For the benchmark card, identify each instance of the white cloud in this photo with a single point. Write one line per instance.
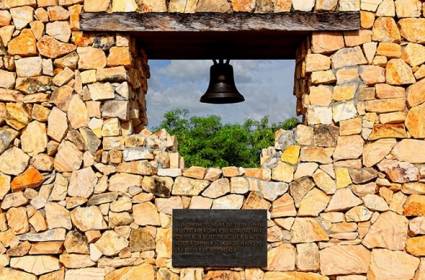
(182, 69)
(266, 85)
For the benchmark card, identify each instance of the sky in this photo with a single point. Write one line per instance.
(267, 86)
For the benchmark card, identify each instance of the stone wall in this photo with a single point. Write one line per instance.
(223, 6)
(86, 192)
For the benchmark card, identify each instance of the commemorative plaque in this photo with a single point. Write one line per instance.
(219, 238)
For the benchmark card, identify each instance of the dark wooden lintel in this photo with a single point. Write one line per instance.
(220, 22)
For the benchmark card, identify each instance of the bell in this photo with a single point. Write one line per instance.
(222, 88)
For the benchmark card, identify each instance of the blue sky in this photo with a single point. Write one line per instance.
(266, 84)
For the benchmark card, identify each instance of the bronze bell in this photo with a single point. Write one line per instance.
(222, 88)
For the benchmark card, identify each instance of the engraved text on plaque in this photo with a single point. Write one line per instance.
(219, 238)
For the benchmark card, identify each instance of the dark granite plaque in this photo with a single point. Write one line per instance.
(219, 238)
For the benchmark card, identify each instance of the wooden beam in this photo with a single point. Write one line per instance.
(221, 22)
(232, 45)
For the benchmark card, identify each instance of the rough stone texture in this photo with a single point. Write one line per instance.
(386, 264)
(308, 256)
(314, 202)
(13, 161)
(185, 186)
(406, 150)
(35, 264)
(389, 231)
(348, 147)
(385, 30)
(416, 246)
(8, 273)
(343, 199)
(82, 183)
(281, 258)
(68, 158)
(342, 259)
(399, 73)
(308, 230)
(374, 152)
(415, 121)
(34, 138)
(88, 218)
(217, 188)
(24, 44)
(111, 243)
(414, 206)
(414, 93)
(30, 178)
(57, 124)
(413, 29)
(91, 58)
(146, 270)
(283, 207)
(146, 214)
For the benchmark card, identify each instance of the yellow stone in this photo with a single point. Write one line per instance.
(415, 94)
(413, 29)
(372, 74)
(408, 8)
(356, 38)
(399, 73)
(386, 105)
(132, 272)
(124, 6)
(389, 130)
(282, 5)
(395, 117)
(230, 171)
(385, 29)
(320, 95)
(96, 5)
(17, 116)
(415, 121)
(195, 172)
(346, 75)
(324, 42)
(283, 172)
(386, 9)
(389, 49)
(343, 178)
(416, 246)
(291, 154)
(323, 77)
(350, 127)
(414, 54)
(317, 62)
(414, 206)
(314, 202)
(13, 274)
(293, 276)
(23, 45)
(119, 56)
(344, 92)
(384, 91)
(243, 5)
(367, 19)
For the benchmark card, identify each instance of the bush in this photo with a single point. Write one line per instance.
(207, 142)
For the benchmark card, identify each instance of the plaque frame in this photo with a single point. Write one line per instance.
(201, 222)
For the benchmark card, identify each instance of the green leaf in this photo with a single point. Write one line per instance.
(207, 142)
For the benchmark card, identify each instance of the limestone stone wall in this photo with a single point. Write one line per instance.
(224, 6)
(86, 192)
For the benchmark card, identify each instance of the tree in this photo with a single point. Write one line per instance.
(206, 141)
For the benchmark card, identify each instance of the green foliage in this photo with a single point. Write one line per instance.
(206, 141)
